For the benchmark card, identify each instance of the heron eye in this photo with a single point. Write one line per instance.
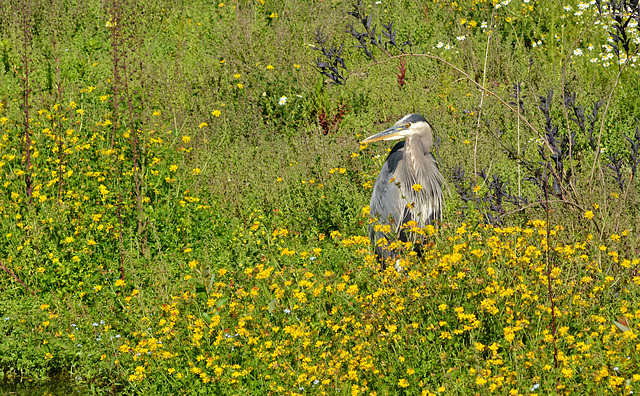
(408, 125)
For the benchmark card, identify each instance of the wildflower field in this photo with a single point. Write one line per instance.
(184, 197)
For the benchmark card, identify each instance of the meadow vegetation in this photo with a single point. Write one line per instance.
(184, 197)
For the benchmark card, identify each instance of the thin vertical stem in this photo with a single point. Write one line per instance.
(484, 79)
(56, 120)
(549, 274)
(26, 91)
(519, 150)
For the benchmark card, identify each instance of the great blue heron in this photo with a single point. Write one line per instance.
(409, 186)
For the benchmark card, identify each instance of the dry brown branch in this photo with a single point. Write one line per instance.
(15, 277)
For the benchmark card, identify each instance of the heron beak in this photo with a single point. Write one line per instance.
(393, 133)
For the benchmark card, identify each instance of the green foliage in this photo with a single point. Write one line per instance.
(190, 214)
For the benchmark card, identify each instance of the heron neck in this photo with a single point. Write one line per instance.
(427, 143)
(419, 144)
(416, 151)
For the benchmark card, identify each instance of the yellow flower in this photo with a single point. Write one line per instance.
(193, 263)
(416, 187)
(588, 214)
(403, 383)
(237, 75)
(186, 139)
(297, 66)
(269, 67)
(120, 282)
(240, 86)
(216, 113)
(596, 206)
(273, 15)
(202, 125)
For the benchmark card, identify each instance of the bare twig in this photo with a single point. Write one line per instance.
(468, 78)
(563, 201)
(564, 108)
(15, 277)
(549, 272)
(484, 80)
(604, 114)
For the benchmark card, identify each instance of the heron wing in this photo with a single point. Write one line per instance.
(387, 203)
(393, 191)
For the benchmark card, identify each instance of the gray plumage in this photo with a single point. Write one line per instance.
(395, 200)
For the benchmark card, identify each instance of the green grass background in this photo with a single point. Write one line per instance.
(159, 149)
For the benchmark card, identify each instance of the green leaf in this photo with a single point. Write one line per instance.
(201, 290)
(272, 305)
(620, 326)
(220, 303)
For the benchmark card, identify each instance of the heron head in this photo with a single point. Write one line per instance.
(409, 125)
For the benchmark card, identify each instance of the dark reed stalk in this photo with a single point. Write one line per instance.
(116, 58)
(550, 271)
(56, 120)
(26, 24)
